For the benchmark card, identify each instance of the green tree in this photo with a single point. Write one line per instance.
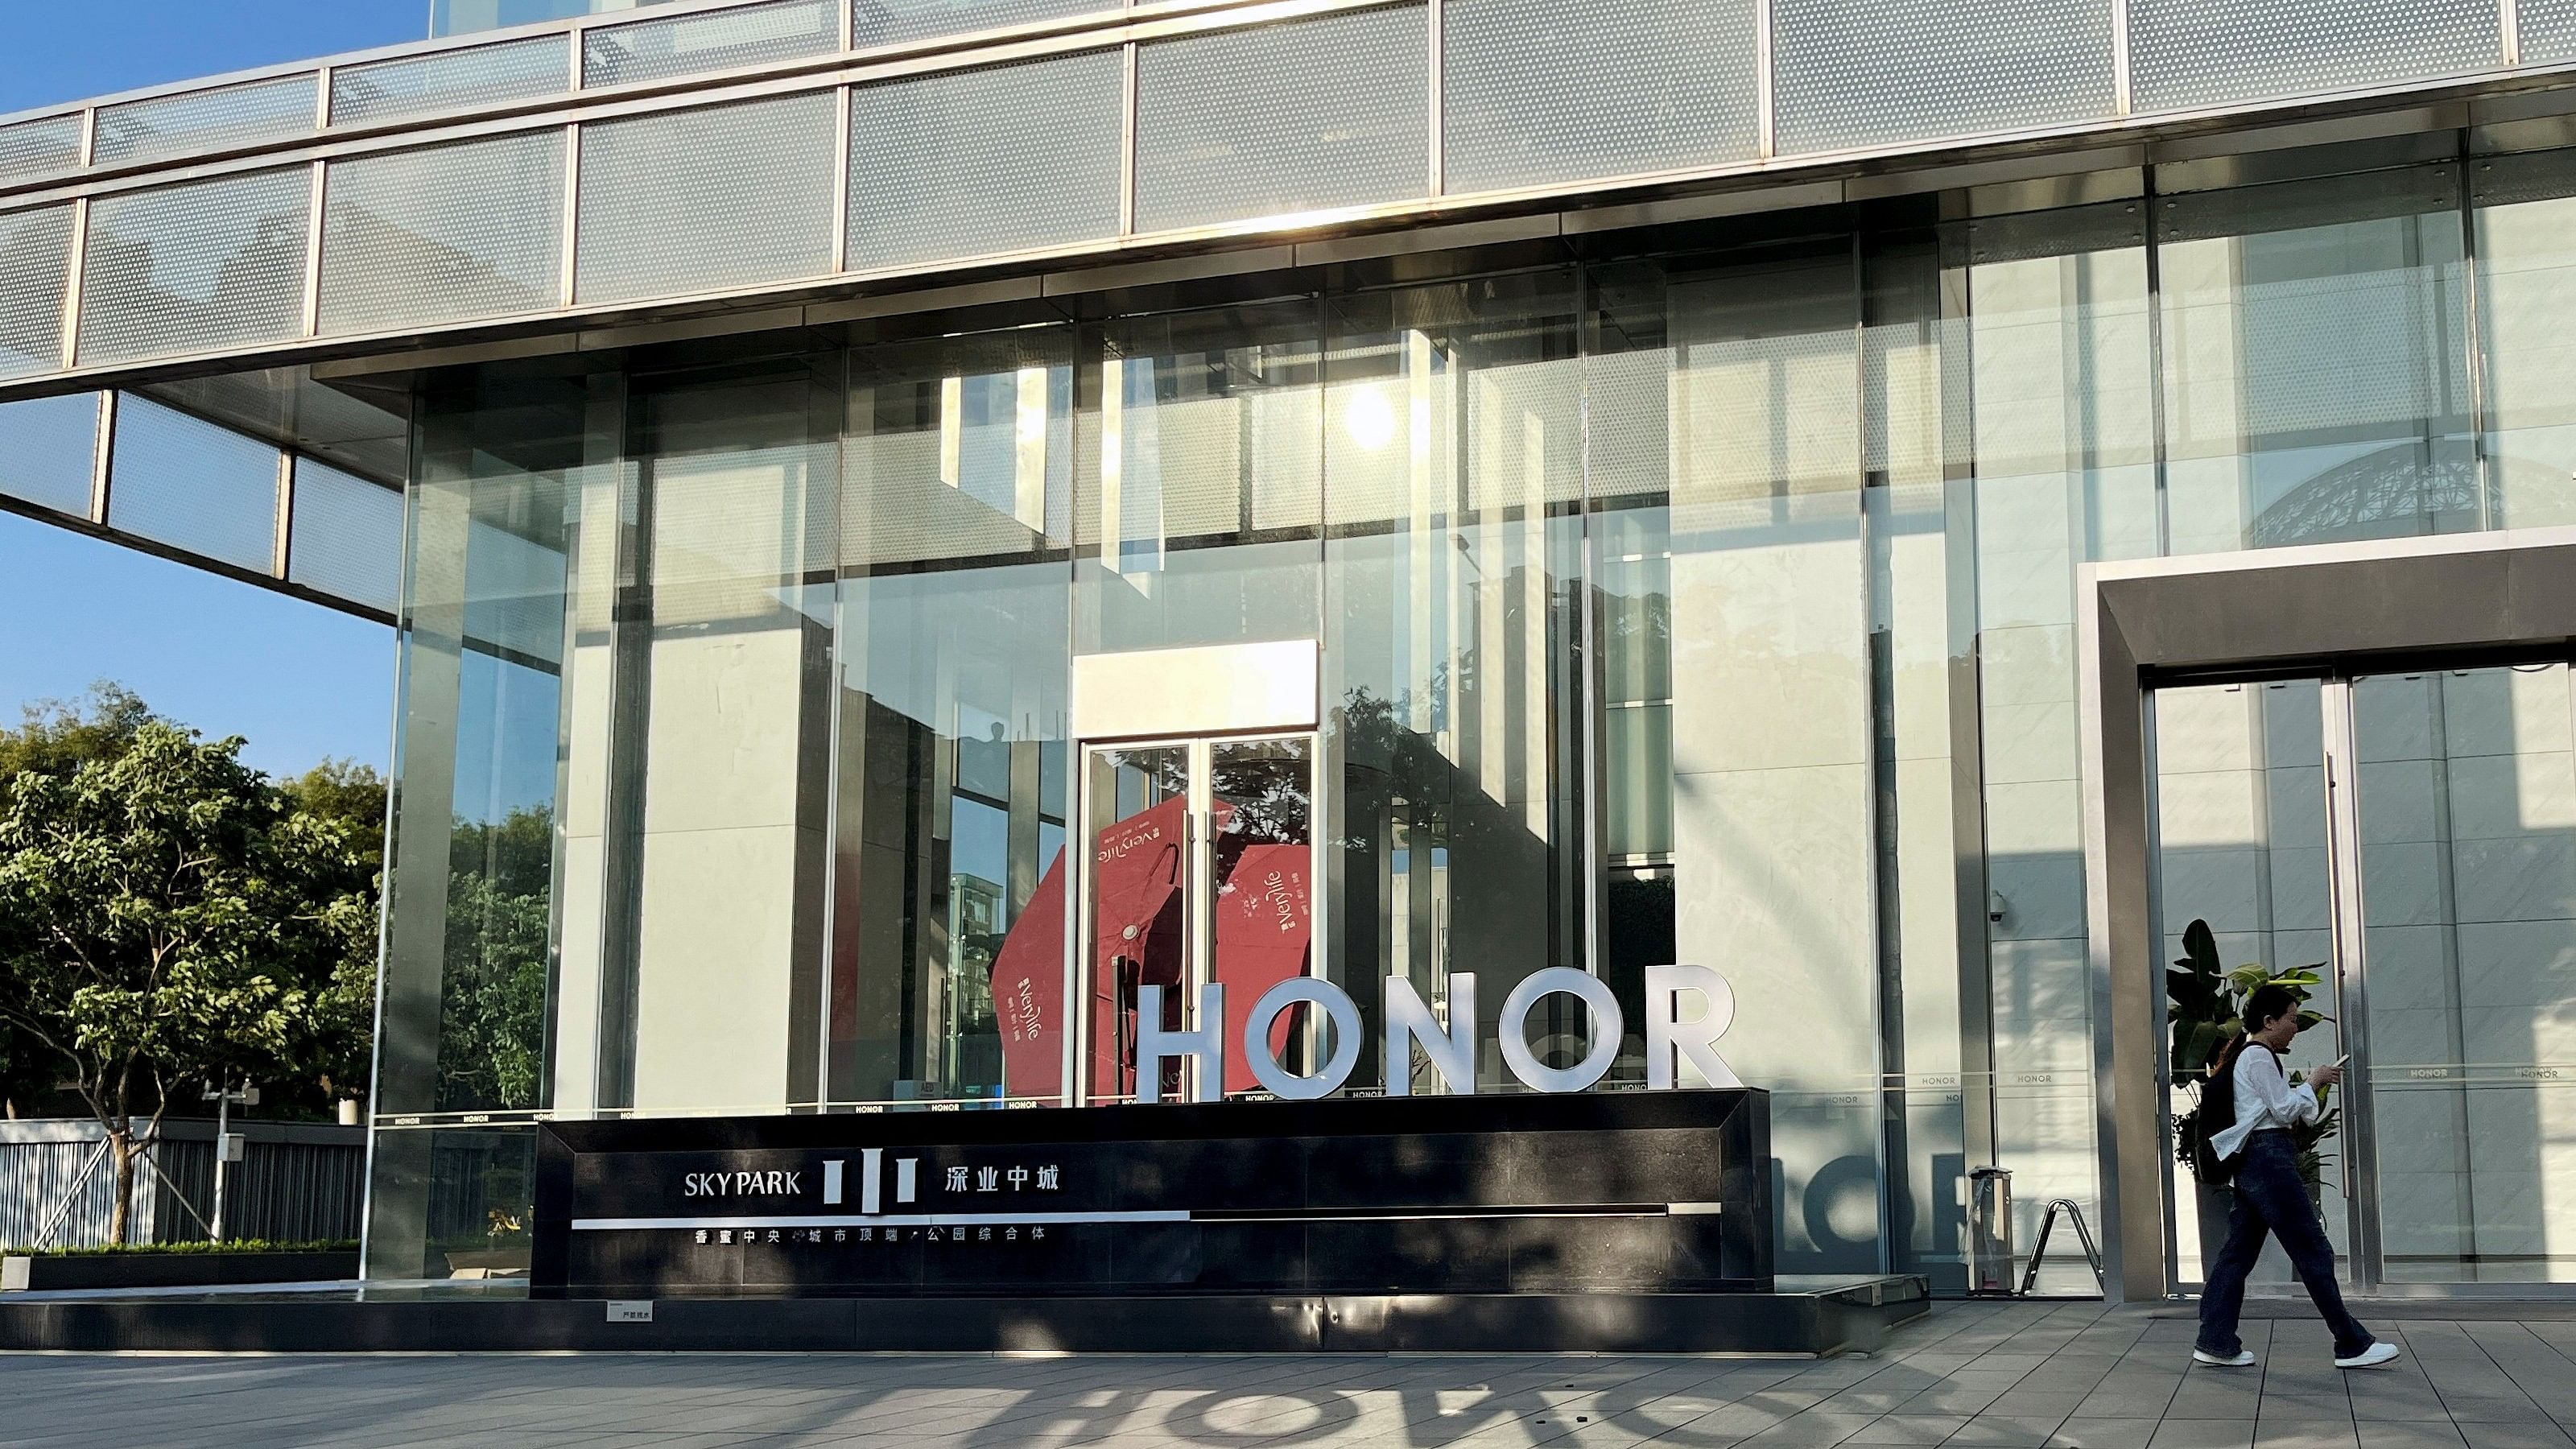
(58, 735)
(492, 998)
(349, 793)
(168, 917)
(352, 797)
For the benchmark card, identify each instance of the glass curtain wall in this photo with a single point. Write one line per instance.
(468, 1026)
(719, 783)
(2316, 354)
(949, 875)
(2523, 227)
(2061, 436)
(1711, 601)
(1453, 568)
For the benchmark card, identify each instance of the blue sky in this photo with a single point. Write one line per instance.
(299, 681)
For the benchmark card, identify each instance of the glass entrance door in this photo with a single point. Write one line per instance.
(1201, 868)
(2242, 849)
(2463, 846)
(2412, 836)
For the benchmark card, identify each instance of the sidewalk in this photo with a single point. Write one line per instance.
(2006, 1375)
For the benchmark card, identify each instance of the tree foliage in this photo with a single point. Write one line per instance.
(169, 917)
(492, 1000)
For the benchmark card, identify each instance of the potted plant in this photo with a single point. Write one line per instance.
(2205, 1006)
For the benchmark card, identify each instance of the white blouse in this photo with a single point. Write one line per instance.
(2264, 1098)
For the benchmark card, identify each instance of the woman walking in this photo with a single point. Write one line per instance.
(2270, 1198)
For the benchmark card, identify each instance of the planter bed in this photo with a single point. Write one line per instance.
(171, 1270)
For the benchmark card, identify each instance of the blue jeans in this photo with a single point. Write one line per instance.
(2271, 1198)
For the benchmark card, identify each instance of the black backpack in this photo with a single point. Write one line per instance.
(2217, 1113)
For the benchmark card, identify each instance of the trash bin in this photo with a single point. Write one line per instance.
(1991, 1261)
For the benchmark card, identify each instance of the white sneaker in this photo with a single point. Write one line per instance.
(2244, 1359)
(2371, 1357)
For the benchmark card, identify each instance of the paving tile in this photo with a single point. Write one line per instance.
(2081, 1433)
(2204, 1434)
(2270, 1433)
(2403, 1434)
(2022, 1400)
(2515, 1436)
(1909, 1429)
(2009, 1431)
(1976, 1375)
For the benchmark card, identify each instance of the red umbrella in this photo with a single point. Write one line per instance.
(1028, 991)
(1136, 876)
(1264, 923)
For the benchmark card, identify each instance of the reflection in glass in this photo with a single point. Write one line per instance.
(719, 808)
(2241, 844)
(2316, 380)
(1727, 470)
(468, 976)
(946, 977)
(1204, 498)
(2062, 391)
(1261, 794)
(2468, 887)
(1139, 840)
(1453, 472)
(2526, 248)
(1921, 616)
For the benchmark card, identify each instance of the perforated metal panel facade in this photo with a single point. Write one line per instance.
(2206, 52)
(32, 148)
(723, 196)
(206, 120)
(2548, 29)
(892, 22)
(35, 264)
(487, 75)
(188, 268)
(444, 233)
(1849, 74)
(723, 40)
(345, 539)
(984, 161)
(47, 448)
(1300, 116)
(193, 485)
(1538, 91)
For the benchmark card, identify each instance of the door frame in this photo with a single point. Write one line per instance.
(2347, 927)
(1198, 879)
(1142, 697)
(2339, 606)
